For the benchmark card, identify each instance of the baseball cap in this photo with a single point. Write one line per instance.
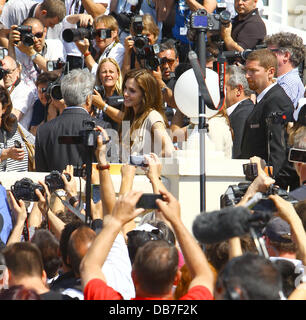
(278, 230)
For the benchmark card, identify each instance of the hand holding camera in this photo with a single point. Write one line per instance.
(69, 184)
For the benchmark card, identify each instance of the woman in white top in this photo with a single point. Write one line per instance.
(143, 128)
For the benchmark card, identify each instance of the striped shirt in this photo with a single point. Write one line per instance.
(11, 164)
(293, 85)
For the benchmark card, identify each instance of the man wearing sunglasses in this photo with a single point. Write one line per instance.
(33, 58)
(165, 74)
(22, 95)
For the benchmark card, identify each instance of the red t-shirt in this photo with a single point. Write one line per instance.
(96, 289)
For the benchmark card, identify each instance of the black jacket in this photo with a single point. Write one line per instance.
(237, 120)
(49, 154)
(255, 138)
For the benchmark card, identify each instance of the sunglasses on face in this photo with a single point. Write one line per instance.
(38, 35)
(166, 60)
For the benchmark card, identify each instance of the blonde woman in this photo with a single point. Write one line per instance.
(109, 78)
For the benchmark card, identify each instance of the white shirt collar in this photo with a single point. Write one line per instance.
(231, 109)
(262, 94)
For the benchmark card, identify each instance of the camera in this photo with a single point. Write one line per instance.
(79, 171)
(3, 73)
(297, 155)
(55, 65)
(115, 101)
(87, 137)
(243, 55)
(17, 144)
(54, 89)
(139, 39)
(280, 118)
(24, 189)
(101, 90)
(148, 201)
(250, 171)
(54, 180)
(139, 161)
(124, 20)
(26, 35)
(200, 19)
(71, 35)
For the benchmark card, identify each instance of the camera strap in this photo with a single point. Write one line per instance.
(71, 208)
(5, 147)
(31, 12)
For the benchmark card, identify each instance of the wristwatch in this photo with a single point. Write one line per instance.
(34, 56)
(73, 200)
(105, 107)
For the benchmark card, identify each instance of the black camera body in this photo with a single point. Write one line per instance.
(26, 36)
(124, 20)
(87, 137)
(200, 19)
(71, 35)
(24, 189)
(101, 90)
(54, 180)
(54, 89)
(280, 118)
(250, 171)
(3, 73)
(140, 41)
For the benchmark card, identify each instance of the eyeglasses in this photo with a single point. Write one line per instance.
(9, 71)
(166, 60)
(38, 34)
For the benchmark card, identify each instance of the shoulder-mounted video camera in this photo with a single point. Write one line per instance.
(24, 189)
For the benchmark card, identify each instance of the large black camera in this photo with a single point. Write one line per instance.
(54, 89)
(114, 101)
(140, 41)
(200, 19)
(71, 35)
(26, 36)
(24, 189)
(87, 137)
(54, 180)
(124, 20)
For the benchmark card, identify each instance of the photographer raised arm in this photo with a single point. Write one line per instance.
(208, 5)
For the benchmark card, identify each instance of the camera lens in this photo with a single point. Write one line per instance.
(56, 92)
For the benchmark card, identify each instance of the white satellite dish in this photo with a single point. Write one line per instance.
(186, 93)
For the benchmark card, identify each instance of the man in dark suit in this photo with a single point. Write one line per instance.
(265, 135)
(77, 88)
(238, 104)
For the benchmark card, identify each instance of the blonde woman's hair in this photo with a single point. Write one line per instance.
(110, 23)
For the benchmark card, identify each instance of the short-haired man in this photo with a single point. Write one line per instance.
(238, 104)
(246, 30)
(264, 138)
(290, 53)
(22, 95)
(49, 12)
(155, 268)
(77, 89)
(34, 58)
(25, 266)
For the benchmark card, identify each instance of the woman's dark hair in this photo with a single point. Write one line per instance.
(8, 119)
(19, 292)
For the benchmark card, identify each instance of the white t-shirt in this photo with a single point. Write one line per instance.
(54, 50)
(114, 50)
(23, 98)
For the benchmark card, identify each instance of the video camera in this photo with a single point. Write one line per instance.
(26, 35)
(87, 137)
(243, 55)
(72, 35)
(145, 51)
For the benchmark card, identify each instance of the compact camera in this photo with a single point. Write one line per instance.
(139, 161)
(24, 189)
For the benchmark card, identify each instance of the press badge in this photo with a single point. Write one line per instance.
(183, 31)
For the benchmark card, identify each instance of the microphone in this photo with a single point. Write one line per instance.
(218, 226)
(229, 222)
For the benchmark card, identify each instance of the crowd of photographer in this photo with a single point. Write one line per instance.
(86, 82)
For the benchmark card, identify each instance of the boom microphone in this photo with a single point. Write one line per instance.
(218, 226)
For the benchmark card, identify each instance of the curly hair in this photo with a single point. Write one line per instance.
(288, 42)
